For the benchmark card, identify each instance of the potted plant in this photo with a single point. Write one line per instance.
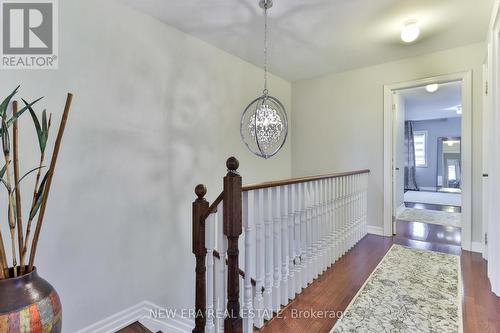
(28, 303)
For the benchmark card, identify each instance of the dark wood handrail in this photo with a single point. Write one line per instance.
(301, 180)
(213, 207)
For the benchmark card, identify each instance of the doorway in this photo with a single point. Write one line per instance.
(427, 165)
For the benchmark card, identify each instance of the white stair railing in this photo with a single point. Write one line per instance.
(292, 232)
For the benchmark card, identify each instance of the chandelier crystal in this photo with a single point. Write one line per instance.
(264, 124)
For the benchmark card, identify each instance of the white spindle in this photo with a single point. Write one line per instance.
(360, 208)
(356, 215)
(291, 242)
(324, 233)
(258, 208)
(331, 220)
(328, 226)
(365, 204)
(315, 229)
(355, 211)
(210, 227)
(309, 230)
(283, 190)
(220, 285)
(338, 232)
(346, 213)
(349, 211)
(248, 220)
(276, 248)
(304, 232)
(319, 203)
(342, 216)
(298, 238)
(268, 280)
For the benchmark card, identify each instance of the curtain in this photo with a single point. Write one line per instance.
(410, 179)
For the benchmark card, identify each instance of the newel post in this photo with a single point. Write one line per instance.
(200, 209)
(232, 229)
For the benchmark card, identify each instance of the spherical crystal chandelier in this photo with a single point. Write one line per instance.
(264, 124)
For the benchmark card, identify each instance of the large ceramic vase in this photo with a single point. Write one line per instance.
(29, 304)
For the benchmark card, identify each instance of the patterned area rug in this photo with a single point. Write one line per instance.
(410, 291)
(430, 216)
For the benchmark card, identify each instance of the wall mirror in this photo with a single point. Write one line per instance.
(449, 164)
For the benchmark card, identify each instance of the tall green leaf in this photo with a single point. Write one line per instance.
(5, 137)
(2, 171)
(39, 197)
(20, 112)
(6, 101)
(25, 175)
(44, 121)
(7, 186)
(41, 131)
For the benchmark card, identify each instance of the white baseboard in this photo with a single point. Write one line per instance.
(142, 313)
(477, 247)
(376, 230)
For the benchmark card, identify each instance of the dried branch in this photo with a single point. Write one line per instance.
(50, 173)
(11, 218)
(19, 215)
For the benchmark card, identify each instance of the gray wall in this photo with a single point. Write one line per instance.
(450, 127)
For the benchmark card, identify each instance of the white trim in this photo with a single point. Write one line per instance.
(495, 18)
(140, 312)
(466, 79)
(494, 180)
(375, 230)
(477, 247)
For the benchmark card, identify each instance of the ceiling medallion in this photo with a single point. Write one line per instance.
(264, 123)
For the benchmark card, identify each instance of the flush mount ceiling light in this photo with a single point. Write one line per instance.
(432, 87)
(264, 124)
(410, 32)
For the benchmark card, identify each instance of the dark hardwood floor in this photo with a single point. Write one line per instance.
(334, 290)
(429, 236)
(442, 208)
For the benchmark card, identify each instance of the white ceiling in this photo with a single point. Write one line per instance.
(422, 105)
(314, 37)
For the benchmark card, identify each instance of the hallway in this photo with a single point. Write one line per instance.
(335, 289)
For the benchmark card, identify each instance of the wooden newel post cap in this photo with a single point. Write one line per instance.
(232, 163)
(200, 190)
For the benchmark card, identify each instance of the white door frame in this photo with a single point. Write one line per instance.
(466, 79)
(493, 245)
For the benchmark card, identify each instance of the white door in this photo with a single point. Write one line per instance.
(398, 160)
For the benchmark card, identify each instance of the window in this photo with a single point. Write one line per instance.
(420, 140)
(452, 172)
